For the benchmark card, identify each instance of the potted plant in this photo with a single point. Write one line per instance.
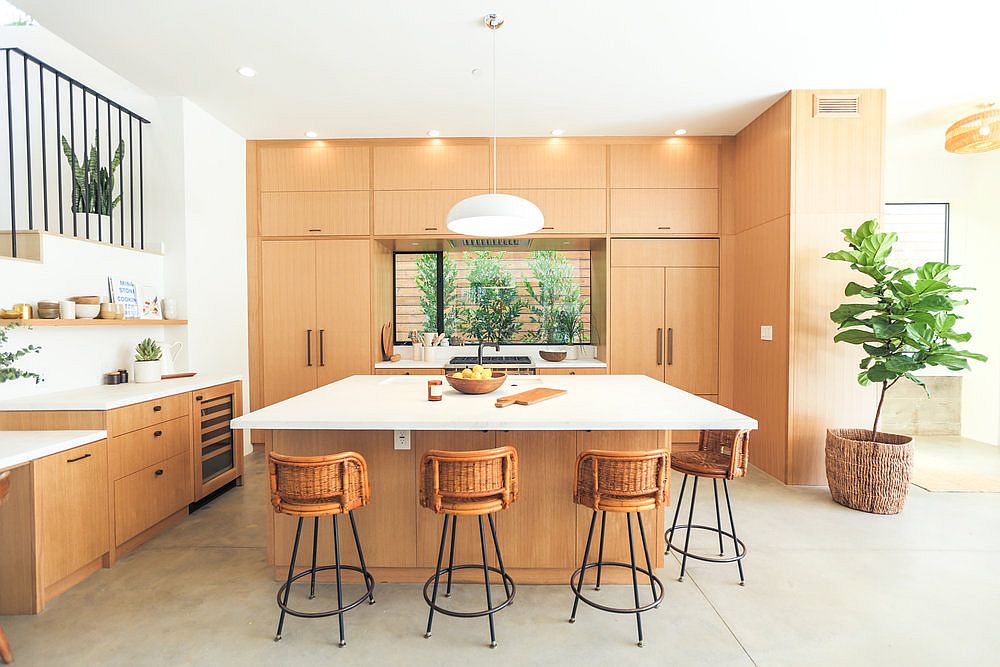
(906, 323)
(93, 185)
(147, 361)
(7, 370)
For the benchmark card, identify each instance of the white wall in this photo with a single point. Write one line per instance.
(918, 169)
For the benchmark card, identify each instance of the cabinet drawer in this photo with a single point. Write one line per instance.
(141, 415)
(314, 213)
(676, 211)
(72, 492)
(140, 449)
(147, 497)
(571, 371)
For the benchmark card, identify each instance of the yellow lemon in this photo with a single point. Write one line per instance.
(457, 375)
(467, 373)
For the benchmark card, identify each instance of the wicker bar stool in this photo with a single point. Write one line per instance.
(721, 455)
(5, 653)
(474, 483)
(319, 486)
(622, 482)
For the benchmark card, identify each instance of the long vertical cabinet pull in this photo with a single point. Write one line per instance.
(670, 346)
(659, 347)
(309, 347)
(322, 351)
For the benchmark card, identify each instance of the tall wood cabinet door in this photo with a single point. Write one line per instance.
(288, 332)
(343, 304)
(72, 491)
(637, 330)
(692, 321)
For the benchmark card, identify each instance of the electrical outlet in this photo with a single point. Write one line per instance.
(766, 332)
(401, 440)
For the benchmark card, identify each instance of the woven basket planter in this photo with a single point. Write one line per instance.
(869, 474)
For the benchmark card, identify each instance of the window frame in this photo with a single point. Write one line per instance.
(947, 219)
(439, 295)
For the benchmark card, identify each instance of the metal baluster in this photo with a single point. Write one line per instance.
(10, 152)
(59, 170)
(97, 165)
(142, 196)
(86, 165)
(45, 166)
(27, 143)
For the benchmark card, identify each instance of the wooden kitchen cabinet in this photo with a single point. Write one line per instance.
(314, 213)
(343, 280)
(664, 211)
(569, 211)
(416, 212)
(312, 166)
(432, 165)
(72, 505)
(409, 371)
(665, 319)
(571, 371)
(551, 164)
(674, 163)
(150, 495)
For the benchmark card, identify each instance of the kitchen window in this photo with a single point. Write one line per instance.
(922, 231)
(533, 297)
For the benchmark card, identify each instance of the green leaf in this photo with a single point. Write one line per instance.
(843, 256)
(856, 337)
(853, 289)
(849, 310)
(879, 373)
(901, 363)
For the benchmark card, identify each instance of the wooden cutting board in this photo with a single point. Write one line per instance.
(529, 397)
(386, 341)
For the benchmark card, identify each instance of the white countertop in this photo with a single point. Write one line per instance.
(110, 396)
(17, 447)
(537, 362)
(594, 402)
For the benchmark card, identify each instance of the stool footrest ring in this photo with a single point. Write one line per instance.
(470, 614)
(369, 589)
(708, 559)
(576, 579)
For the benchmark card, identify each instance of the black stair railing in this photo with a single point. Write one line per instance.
(74, 157)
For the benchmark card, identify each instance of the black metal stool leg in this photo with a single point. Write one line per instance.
(635, 581)
(732, 525)
(600, 554)
(645, 551)
(288, 581)
(496, 547)
(312, 577)
(687, 538)
(437, 571)
(718, 517)
(486, 579)
(361, 554)
(451, 559)
(680, 499)
(340, 588)
(583, 568)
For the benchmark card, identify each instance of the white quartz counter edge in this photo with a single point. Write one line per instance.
(108, 397)
(538, 363)
(17, 447)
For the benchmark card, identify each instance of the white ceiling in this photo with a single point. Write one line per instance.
(368, 68)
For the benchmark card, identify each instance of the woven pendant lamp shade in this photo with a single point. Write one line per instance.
(977, 133)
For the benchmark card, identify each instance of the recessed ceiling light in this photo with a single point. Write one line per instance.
(311, 134)
(248, 72)
(681, 132)
(557, 133)
(433, 133)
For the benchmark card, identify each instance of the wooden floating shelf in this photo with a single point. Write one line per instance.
(95, 323)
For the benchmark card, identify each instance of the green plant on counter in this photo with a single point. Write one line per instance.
(495, 305)
(148, 350)
(93, 185)
(908, 322)
(7, 370)
(426, 281)
(555, 291)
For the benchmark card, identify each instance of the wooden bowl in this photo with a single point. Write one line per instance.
(89, 300)
(470, 386)
(552, 355)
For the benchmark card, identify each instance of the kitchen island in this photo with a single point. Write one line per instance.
(543, 533)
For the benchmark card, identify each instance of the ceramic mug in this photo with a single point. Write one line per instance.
(67, 310)
(169, 309)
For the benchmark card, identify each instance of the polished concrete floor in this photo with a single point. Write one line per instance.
(825, 586)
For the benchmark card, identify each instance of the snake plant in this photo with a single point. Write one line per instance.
(93, 185)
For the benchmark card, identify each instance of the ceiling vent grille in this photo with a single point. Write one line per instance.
(836, 106)
(490, 243)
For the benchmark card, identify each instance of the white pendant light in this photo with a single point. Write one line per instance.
(495, 214)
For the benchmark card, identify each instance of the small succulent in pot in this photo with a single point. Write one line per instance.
(147, 361)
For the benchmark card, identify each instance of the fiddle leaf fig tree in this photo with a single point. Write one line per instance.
(907, 319)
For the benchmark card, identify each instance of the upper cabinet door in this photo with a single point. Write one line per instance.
(313, 166)
(569, 211)
(343, 307)
(692, 322)
(314, 213)
(288, 318)
(553, 164)
(416, 212)
(668, 164)
(665, 211)
(637, 332)
(432, 166)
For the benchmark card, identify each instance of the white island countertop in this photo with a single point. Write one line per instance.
(593, 402)
(111, 396)
(17, 447)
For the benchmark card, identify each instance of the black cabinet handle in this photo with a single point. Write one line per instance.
(157, 434)
(315, 230)
(322, 345)
(548, 227)
(309, 345)
(79, 458)
(659, 347)
(198, 397)
(158, 472)
(157, 408)
(670, 346)
(430, 229)
(663, 227)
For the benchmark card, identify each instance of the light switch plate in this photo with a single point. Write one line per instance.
(766, 332)
(401, 439)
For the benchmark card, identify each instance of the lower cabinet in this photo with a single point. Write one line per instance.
(409, 371)
(571, 371)
(148, 496)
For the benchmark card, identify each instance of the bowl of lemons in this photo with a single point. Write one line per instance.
(476, 380)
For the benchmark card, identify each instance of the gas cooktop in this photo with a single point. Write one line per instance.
(494, 361)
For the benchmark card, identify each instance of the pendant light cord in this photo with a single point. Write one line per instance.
(494, 30)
